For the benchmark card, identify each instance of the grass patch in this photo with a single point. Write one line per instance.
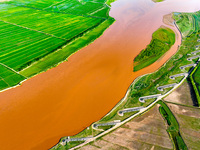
(195, 80)
(156, 1)
(109, 2)
(67, 146)
(88, 132)
(162, 40)
(189, 121)
(8, 77)
(173, 126)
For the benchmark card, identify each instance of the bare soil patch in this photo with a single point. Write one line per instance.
(181, 95)
(147, 131)
(168, 19)
(189, 121)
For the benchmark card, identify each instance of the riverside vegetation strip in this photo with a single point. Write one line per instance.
(173, 126)
(162, 40)
(189, 24)
(148, 84)
(38, 35)
(195, 80)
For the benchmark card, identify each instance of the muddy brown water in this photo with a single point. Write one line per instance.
(66, 99)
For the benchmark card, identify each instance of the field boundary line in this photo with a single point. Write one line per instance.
(53, 5)
(33, 43)
(61, 12)
(174, 103)
(12, 69)
(34, 30)
(5, 81)
(97, 10)
(97, 2)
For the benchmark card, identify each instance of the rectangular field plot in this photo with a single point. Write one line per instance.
(19, 46)
(8, 77)
(60, 25)
(78, 7)
(40, 4)
(75, 7)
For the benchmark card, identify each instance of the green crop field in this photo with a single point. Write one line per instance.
(32, 30)
(8, 77)
(78, 7)
(162, 40)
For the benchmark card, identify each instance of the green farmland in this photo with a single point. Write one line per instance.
(81, 7)
(8, 77)
(48, 30)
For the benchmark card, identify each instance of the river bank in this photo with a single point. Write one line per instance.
(160, 77)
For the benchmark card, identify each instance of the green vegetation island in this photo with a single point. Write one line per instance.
(45, 33)
(152, 90)
(162, 40)
(156, 1)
